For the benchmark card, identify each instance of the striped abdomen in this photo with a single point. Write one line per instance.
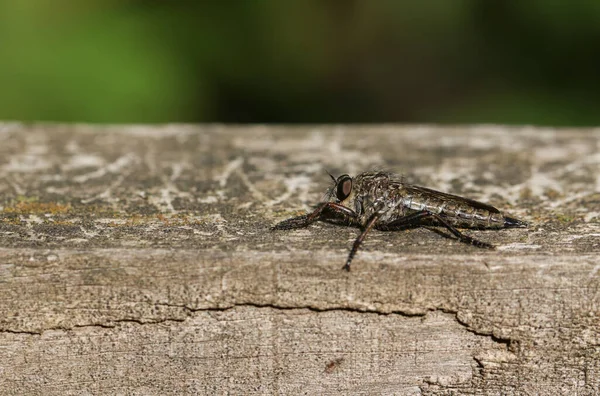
(458, 211)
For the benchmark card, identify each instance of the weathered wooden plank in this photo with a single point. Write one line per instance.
(248, 350)
(139, 260)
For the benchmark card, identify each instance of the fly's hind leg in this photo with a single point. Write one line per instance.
(462, 237)
(415, 219)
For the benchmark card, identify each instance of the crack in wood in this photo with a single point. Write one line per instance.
(191, 311)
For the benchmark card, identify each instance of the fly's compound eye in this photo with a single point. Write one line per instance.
(344, 187)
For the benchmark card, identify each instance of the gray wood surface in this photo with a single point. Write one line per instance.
(139, 260)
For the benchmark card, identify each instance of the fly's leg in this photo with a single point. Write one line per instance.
(406, 221)
(414, 219)
(360, 239)
(462, 237)
(307, 219)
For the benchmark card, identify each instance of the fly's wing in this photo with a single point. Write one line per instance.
(418, 190)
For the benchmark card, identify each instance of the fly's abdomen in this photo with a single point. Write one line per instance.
(458, 214)
(470, 217)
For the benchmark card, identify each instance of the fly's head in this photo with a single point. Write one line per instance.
(343, 191)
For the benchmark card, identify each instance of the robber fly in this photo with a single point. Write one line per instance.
(383, 201)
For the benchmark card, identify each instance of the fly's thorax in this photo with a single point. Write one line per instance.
(373, 194)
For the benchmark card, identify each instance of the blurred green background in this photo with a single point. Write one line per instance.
(284, 61)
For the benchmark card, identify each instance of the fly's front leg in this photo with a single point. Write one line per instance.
(415, 219)
(307, 219)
